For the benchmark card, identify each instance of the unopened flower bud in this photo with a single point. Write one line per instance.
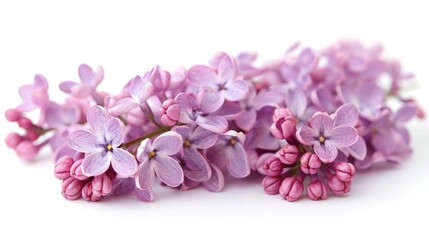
(12, 115)
(345, 171)
(71, 188)
(271, 184)
(337, 186)
(317, 190)
(26, 150)
(13, 139)
(310, 163)
(284, 124)
(101, 185)
(289, 154)
(88, 194)
(291, 189)
(62, 167)
(273, 167)
(25, 123)
(170, 112)
(76, 170)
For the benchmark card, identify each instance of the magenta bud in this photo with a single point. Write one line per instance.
(317, 190)
(170, 112)
(289, 154)
(271, 184)
(62, 167)
(88, 194)
(345, 171)
(337, 186)
(101, 185)
(310, 163)
(25, 123)
(291, 189)
(12, 115)
(31, 135)
(284, 124)
(13, 139)
(76, 170)
(71, 188)
(273, 167)
(26, 150)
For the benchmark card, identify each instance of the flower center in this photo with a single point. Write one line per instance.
(187, 143)
(233, 141)
(151, 154)
(321, 139)
(109, 147)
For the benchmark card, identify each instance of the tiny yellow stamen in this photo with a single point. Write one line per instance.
(151, 154)
(187, 143)
(109, 147)
(321, 139)
(232, 141)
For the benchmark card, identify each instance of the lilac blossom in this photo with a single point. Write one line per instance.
(89, 78)
(155, 159)
(224, 81)
(325, 137)
(297, 71)
(34, 95)
(102, 144)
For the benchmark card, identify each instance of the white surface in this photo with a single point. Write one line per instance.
(129, 39)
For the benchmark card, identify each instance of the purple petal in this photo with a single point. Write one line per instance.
(359, 149)
(226, 69)
(115, 132)
(197, 169)
(86, 74)
(321, 123)
(97, 118)
(123, 162)
(143, 150)
(307, 135)
(267, 98)
(145, 175)
(95, 164)
(237, 163)
(370, 94)
(145, 195)
(215, 124)
(235, 90)
(247, 120)
(168, 143)
(297, 101)
(323, 98)
(83, 141)
(81, 91)
(307, 60)
(203, 139)
(405, 113)
(67, 86)
(386, 141)
(168, 170)
(123, 186)
(347, 115)
(202, 76)
(123, 106)
(326, 152)
(216, 155)
(184, 102)
(342, 136)
(216, 181)
(229, 110)
(184, 131)
(140, 90)
(209, 100)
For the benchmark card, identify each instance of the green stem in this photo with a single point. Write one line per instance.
(149, 135)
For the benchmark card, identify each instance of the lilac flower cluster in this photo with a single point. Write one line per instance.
(306, 121)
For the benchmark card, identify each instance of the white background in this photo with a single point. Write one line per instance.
(128, 39)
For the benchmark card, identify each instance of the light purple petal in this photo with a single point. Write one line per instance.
(97, 118)
(237, 163)
(307, 60)
(246, 120)
(145, 195)
(216, 155)
(215, 124)
(267, 98)
(83, 141)
(184, 131)
(203, 138)
(123, 162)
(115, 132)
(184, 102)
(81, 90)
(140, 90)
(168, 170)
(405, 113)
(326, 152)
(229, 110)
(323, 98)
(143, 150)
(226, 69)
(168, 143)
(342, 136)
(123, 106)
(321, 123)
(297, 101)
(235, 90)
(196, 166)
(359, 149)
(86, 74)
(123, 186)
(347, 115)
(95, 164)
(67, 86)
(145, 175)
(209, 100)
(386, 141)
(216, 181)
(370, 94)
(202, 76)
(307, 135)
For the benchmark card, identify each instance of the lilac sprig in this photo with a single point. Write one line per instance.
(307, 122)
